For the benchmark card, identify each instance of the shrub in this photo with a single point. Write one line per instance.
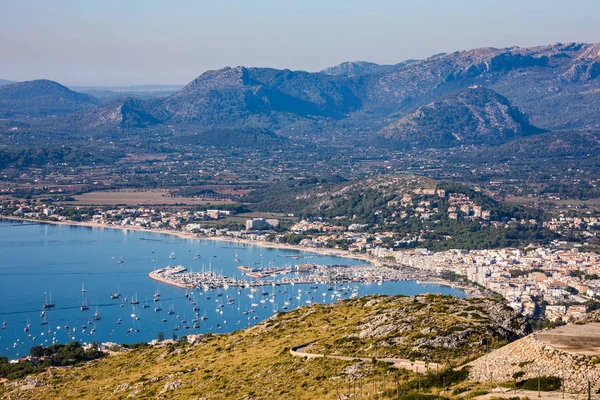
(547, 383)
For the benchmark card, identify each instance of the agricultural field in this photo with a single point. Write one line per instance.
(139, 197)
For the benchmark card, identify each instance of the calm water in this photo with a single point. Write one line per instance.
(39, 260)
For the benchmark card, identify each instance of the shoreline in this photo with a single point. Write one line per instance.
(373, 261)
(184, 235)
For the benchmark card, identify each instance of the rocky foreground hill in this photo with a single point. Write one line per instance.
(256, 363)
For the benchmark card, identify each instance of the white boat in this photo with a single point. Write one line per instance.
(115, 295)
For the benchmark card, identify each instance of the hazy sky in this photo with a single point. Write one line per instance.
(119, 42)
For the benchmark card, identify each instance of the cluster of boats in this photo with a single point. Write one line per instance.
(244, 303)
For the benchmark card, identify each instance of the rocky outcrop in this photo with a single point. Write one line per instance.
(530, 358)
(170, 386)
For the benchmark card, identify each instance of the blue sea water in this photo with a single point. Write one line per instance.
(42, 261)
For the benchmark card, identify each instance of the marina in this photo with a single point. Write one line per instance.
(100, 299)
(179, 276)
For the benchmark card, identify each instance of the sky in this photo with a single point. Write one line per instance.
(131, 42)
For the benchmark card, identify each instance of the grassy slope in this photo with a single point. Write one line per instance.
(254, 363)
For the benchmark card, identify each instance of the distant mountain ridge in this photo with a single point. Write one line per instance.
(354, 68)
(4, 82)
(556, 86)
(280, 99)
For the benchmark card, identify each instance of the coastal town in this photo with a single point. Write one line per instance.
(557, 283)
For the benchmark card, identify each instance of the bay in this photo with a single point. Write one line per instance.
(43, 261)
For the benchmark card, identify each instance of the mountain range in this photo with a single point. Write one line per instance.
(419, 103)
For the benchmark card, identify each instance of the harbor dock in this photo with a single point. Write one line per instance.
(320, 274)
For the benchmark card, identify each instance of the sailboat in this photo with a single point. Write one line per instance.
(44, 321)
(120, 260)
(82, 288)
(134, 300)
(49, 304)
(84, 305)
(158, 307)
(171, 310)
(96, 315)
(27, 326)
(115, 295)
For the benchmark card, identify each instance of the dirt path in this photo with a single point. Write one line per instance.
(415, 366)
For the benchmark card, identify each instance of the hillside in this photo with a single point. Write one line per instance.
(121, 113)
(256, 363)
(256, 97)
(555, 84)
(405, 211)
(6, 82)
(239, 138)
(41, 98)
(581, 143)
(471, 116)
